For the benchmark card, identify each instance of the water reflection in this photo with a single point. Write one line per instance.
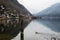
(9, 26)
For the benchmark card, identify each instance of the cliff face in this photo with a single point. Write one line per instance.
(12, 12)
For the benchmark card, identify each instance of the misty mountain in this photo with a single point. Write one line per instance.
(51, 23)
(53, 10)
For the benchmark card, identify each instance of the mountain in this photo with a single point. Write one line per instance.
(51, 17)
(50, 11)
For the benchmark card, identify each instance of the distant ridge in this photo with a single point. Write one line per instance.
(53, 10)
(51, 23)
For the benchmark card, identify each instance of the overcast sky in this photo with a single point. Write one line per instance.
(35, 6)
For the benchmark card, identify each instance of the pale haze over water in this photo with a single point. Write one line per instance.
(35, 6)
(34, 26)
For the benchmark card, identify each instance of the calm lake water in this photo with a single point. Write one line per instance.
(44, 32)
